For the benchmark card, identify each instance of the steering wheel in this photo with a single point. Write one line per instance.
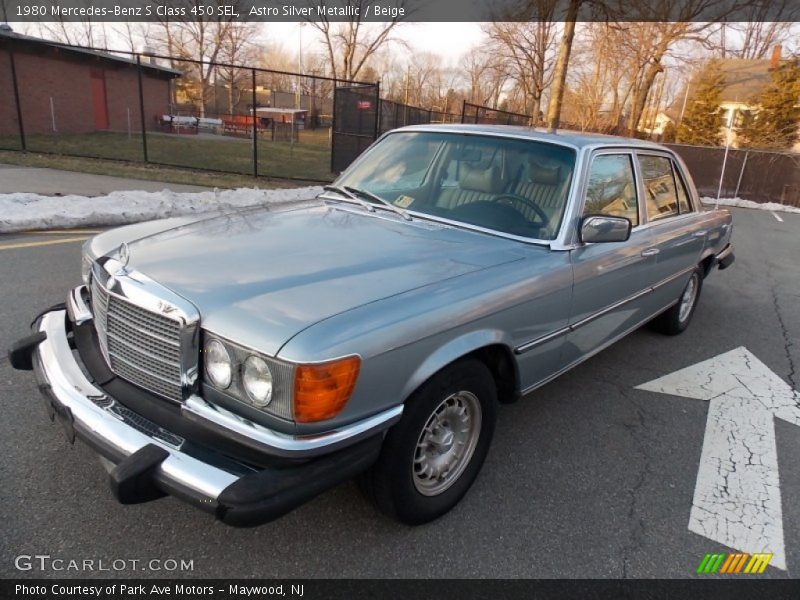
(509, 199)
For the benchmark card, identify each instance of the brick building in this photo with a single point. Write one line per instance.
(66, 89)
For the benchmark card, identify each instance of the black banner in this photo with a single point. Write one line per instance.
(313, 589)
(395, 10)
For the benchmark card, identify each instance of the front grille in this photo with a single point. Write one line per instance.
(141, 346)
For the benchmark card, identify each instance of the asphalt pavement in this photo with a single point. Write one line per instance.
(587, 476)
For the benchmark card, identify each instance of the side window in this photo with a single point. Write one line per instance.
(612, 188)
(683, 196)
(661, 196)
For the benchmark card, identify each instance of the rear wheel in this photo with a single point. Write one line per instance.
(677, 318)
(431, 457)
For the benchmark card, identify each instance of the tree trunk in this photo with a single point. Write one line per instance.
(640, 98)
(560, 73)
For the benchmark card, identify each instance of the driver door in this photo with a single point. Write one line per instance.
(612, 280)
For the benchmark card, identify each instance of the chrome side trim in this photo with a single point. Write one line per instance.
(597, 350)
(521, 349)
(103, 424)
(272, 442)
(79, 311)
(542, 340)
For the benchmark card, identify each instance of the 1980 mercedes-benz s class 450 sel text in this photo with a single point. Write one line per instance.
(248, 361)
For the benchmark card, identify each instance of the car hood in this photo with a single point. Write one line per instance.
(259, 278)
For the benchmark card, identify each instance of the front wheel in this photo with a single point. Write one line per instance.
(431, 457)
(677, 318)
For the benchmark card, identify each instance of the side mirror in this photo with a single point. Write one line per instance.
(604, 228)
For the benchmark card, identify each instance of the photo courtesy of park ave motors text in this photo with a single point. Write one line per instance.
(389, 289)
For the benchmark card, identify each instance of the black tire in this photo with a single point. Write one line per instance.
(390, 482)
(670, 322)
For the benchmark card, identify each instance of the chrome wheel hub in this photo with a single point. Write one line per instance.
(687, 299)
(446, 443)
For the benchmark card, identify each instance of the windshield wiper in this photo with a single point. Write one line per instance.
(350, 195)
(376, 198)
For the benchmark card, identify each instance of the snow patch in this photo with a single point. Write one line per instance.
(21, 211)
(771, 206)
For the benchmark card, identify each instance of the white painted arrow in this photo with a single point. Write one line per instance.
(737, 497)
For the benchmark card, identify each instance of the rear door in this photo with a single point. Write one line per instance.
(673, 223)
(611, 280)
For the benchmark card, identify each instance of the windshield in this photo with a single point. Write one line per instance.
(509, 185)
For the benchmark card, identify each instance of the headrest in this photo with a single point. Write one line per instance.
(479, 179)
(545, 175)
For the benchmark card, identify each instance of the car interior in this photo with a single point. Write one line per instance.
(518, 187)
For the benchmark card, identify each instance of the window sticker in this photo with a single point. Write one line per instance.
(404, 201)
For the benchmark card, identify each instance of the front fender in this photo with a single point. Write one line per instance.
(454, 349)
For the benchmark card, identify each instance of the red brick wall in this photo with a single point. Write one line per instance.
(67, 79)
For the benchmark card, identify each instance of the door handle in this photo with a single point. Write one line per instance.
(650, 252)
(701, 233)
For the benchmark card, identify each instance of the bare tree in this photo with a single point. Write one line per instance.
(237, 47)
(201, 41)
(81, 32)
(349, 45)
(526, 50)
(485, 77)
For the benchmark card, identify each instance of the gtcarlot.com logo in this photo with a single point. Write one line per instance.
(734, 563)
(46, 562)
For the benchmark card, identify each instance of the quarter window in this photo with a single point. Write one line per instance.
(661, 195)
(612, 188)
(683, 197)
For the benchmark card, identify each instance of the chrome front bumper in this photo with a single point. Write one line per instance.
(117, 433)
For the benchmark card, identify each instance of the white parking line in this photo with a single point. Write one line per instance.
(774, 214)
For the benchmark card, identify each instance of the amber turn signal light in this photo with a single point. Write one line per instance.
(322, 390)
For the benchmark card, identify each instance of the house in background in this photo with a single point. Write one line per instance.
(66, 89)
(744, 82)
(656, 125)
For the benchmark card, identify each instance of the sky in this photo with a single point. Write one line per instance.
(449, 40)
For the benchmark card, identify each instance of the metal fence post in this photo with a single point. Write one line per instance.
(463, 109)
(377, 109)
(255, 128)
(333, 126)
(741, 174)
(141, 106)
(16, 96)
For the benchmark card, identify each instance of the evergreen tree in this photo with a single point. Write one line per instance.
(701, 125)
(775, 123)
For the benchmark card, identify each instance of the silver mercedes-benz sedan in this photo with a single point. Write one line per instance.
(248, 361)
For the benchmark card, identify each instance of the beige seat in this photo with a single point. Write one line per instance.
(545, 187)
(475, 183)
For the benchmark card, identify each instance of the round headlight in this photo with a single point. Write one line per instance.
(218, 364)
(257, 381)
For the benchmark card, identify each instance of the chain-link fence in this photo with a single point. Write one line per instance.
(394, 115)
(474, 113)
(70, 100)
(355, 124)
(756, 175)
